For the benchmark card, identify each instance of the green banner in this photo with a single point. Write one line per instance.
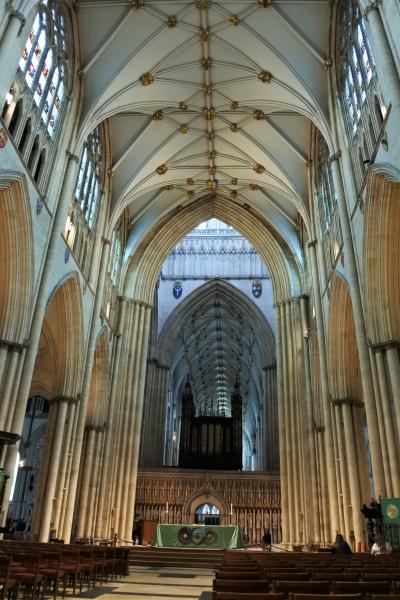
(391, 511)
(198, 536)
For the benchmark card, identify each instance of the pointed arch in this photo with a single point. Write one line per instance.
(61, 343)
(381, 254)
(17, 258)
(343, 358)
(146, 259)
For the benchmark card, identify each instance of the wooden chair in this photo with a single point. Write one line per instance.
(8, 585)
(273, 576)
(328, 597)
(333, 576)
(238, 575)
(241, 596)
(301, 587)
(362, 587)
(234, 585)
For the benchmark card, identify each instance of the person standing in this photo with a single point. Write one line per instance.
(267, 540)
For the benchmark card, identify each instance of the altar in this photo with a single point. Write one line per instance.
(198, 536)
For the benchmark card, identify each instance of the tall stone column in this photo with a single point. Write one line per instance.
(64, 459)
(104, 494)
(328, 434)
(381, 424)
(359, 323)
(393, 361)
(9, 46)
(309, 433)
(82, 408)
(47, 507)
(351, 459)
(145, 315)
(388, 423)
(9, 371)
(85, 482)
(281, 424)
(345, 492)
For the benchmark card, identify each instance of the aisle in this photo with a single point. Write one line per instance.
(152, 583)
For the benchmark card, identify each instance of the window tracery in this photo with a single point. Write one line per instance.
(87, 189)
(36, 100)
(327, 203)
(86, 202)
(362, 106)
(42, 62)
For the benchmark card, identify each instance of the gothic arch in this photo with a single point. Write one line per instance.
(146, 259)
(17, 258)
(345, 378)
(381, 254)
(200, 497)
(61, 344)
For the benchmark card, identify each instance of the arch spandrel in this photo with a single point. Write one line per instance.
(142, 270)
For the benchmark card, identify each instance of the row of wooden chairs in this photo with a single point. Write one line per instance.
(248, 576)
(39, 569)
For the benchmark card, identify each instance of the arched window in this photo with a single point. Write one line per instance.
(327, 203)
(358, 88)
(114, 263)
(324, 184)
(356, 68)
(87, 188)
(43, 62)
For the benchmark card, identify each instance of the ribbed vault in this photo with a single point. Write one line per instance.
(207, 98)
(214, 336)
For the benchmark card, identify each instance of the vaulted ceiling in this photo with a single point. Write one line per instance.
(216, 336)
(207, 99)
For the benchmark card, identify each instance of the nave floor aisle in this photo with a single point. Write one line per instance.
(152, 583)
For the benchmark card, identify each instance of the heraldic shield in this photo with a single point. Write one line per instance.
(177, 289)
(256, 288)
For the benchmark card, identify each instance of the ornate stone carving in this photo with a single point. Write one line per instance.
(172, 22)
(162, 169)
(234, 105)
(259, 168)
(234, 20)
(206, 63)
(158, 115)
(146, 78)
(258, 115)
(184, 128)
(265, 76)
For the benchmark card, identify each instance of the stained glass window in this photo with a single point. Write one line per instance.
(356, 67)
(43, 62)
(87, 188)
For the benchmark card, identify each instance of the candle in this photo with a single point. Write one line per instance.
(231, 509)
(166, 507)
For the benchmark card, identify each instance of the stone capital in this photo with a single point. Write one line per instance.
(334, 157)
(72, 156)
(370, 7)
(383, 346)
(348, 401)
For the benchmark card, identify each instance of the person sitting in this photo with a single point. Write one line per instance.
(341, 546)
(381, 546)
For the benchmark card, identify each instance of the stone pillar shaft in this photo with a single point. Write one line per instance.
(328, 434)
(82, 407)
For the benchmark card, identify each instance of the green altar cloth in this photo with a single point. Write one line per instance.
(198, 536)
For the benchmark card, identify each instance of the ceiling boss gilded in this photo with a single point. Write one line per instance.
(215, 96)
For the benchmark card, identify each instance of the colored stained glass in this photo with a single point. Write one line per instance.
(38, 62)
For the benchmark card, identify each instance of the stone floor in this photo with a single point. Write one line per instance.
(151, 583)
